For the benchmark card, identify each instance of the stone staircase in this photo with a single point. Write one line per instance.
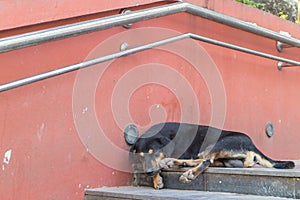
(214, 183)
(145, 193)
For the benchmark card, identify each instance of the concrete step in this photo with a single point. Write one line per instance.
(255, 181)
(137, 193)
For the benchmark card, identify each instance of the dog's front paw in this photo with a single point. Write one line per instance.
(187, 177)
(158, 182)
(166, 163)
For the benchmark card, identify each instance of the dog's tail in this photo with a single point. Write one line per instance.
(265, 161)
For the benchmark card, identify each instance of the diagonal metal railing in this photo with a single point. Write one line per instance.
(144, 47)
(61, 32)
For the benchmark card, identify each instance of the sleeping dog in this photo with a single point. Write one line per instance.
(172, 144)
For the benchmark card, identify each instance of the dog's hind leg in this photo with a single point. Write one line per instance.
(250, 159)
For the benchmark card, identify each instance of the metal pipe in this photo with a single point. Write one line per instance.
(245, 50)
(95, 61)
(87, 63)
(61, 32)
(245, 26)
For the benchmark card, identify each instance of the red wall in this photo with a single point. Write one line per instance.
(64, 134)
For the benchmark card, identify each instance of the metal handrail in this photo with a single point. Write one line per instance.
(61, 32)
(112, 56)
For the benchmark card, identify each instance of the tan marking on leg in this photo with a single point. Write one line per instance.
(157, 182)
(173, 162)
(217, 164)
(188, 162)
(230, 155)
(249, 160)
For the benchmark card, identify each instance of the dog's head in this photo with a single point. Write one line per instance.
(146, 154)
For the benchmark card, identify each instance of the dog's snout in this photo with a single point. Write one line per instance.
(149, 171)
(152, 172)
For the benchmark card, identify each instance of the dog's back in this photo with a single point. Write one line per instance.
(181, 138)
(189, 139)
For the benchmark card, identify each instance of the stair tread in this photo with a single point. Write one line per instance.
(259, 171)
(131, 192)
(283, 183)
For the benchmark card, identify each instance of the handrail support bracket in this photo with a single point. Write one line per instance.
(281, 65)
(281, 46)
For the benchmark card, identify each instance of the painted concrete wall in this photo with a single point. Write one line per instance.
(64, 134)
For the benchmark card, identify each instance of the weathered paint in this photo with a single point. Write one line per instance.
(6, 158)
(53, 157)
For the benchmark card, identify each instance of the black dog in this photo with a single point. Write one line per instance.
(173, 144)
